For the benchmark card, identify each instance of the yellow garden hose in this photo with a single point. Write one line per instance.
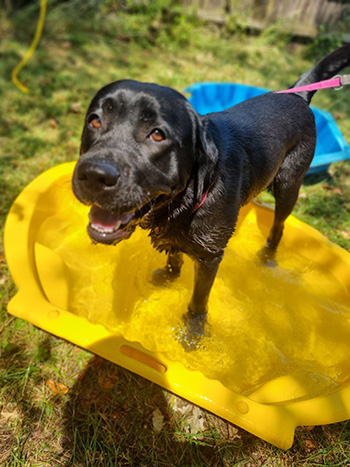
(31, 49)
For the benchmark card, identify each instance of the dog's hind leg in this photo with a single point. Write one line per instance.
(174, 262)
(172, 269)
(286, 188)
(285, 202)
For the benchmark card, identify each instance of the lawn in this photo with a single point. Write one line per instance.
(59, 404)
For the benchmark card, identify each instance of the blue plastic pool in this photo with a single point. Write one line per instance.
(213, 97)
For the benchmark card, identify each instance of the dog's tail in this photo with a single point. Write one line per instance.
(327, 68)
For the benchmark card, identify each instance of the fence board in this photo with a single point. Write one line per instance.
(301, 17)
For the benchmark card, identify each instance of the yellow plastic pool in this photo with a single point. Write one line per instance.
(276, 351)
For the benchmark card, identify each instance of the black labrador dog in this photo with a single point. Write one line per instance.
(148, 159)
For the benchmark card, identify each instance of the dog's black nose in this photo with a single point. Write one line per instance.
(97, 175)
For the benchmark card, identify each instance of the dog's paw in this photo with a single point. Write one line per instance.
(194, 329)
(267, 257)
(196, 323)
(165, 276)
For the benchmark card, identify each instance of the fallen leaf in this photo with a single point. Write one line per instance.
(339, 115)
(157, 420)
(181, 407)
(66, 45)
(8, 415)
(53, 123)
(196, 422)
(192, 416)
(232, 431)
(107, 381)
(309, 428)
(309, 445)
(327, 187)
(335, 189)
(57, 388)
(338, 191)
(76, 107)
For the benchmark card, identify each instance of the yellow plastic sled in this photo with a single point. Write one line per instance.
(276, 350)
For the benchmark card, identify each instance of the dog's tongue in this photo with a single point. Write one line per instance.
(106, 220)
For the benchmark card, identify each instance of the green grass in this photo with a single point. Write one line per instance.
(105, 418)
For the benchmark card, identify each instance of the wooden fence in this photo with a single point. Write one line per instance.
(300, 17)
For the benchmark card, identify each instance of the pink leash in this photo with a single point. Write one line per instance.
(336, 82)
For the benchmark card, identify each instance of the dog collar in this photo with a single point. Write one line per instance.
(204, 195)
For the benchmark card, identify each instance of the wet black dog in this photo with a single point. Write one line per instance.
(148, 159)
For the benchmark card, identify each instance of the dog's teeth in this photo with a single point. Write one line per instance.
(106, 230)
(98, 229)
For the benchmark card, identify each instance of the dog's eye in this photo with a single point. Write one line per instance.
(95, 121)
(157, 135)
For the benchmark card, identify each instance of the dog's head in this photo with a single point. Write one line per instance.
(140, 146)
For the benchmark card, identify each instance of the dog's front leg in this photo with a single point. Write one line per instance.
(205, 272)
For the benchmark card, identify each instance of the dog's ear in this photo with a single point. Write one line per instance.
(206, 156)
(83, 142)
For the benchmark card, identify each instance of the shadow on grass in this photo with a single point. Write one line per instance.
(105, 418)
(110, 422)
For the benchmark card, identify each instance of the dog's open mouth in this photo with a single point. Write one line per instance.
(109, 228)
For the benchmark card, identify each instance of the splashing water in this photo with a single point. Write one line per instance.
(264, 321)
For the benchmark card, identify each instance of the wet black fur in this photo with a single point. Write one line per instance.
(265, 141)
